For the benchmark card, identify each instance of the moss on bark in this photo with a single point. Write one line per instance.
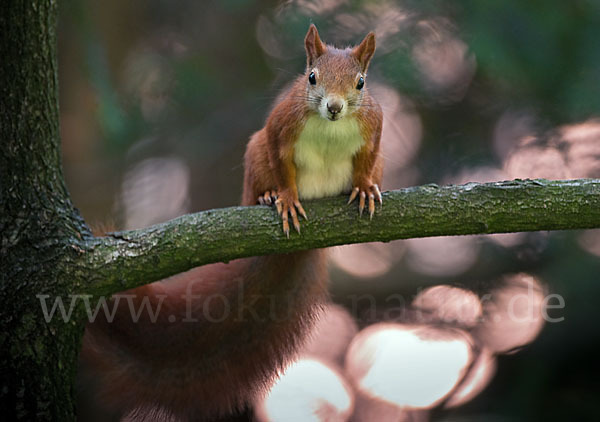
(128, 259)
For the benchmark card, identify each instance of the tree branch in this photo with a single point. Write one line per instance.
(129, 259)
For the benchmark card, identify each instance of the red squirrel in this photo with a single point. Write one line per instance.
(225, 330)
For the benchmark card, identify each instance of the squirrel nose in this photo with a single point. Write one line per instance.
(335, 107)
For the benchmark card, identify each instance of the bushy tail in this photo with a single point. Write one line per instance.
(205, 342)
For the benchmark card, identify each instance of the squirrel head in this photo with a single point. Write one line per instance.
(336, 78)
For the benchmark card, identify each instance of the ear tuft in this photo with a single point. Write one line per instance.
(365, 50)
(314, 46)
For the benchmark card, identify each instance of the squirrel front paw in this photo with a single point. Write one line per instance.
(288, 203)
(370, 190)
(268, 198)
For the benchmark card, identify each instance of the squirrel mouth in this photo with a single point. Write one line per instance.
(334, 118)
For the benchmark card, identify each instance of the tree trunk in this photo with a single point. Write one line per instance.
(37, 221)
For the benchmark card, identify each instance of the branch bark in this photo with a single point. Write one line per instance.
(129, 259)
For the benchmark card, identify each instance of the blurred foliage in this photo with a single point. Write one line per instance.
(192, 80)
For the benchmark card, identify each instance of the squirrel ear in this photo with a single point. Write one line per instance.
(313, 44)
(365, 50)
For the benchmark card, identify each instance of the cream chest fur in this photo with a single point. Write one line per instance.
(323, 156)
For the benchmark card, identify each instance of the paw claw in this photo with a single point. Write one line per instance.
(353, 195)
(285, 223)
(288, 206)
(267, 198)
(361, 203)
(378, 194)
(301, 210)
(295, 221)
(371, 192)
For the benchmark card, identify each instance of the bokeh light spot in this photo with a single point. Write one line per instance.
(409, 366)
(512, 314)
(308, 391)
(331, 335)
(449, 305)
(442, 256)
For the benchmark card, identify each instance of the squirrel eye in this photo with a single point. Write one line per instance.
(361, 83)
(312, 78)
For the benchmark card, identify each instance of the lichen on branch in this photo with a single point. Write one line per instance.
(132, 258)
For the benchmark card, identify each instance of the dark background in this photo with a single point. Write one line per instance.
(158, 99)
